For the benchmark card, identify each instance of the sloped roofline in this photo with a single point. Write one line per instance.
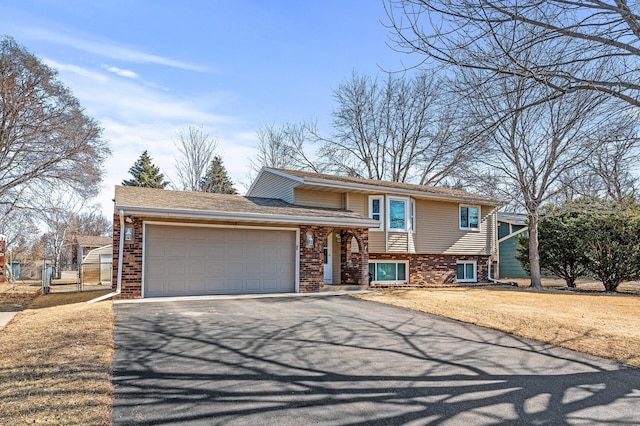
(374, 186)
(155, 203)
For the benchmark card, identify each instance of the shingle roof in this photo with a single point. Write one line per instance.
(426, 189)
(93, 240)
(162, 199)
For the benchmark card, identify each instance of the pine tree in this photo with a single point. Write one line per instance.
(217, 179)
(145, 174)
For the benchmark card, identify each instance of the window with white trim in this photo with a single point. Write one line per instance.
(470, 218)
(466, 271)
(397, 211)
(389, 272)
(376, 211)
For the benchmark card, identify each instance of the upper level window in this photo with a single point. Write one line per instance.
(470, 217)
(398, 214)
(376, 210)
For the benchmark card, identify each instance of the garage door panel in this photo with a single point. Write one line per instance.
(175, 250)
(214, 286)
(285, 270)
(234, 267)
(199, 260)
(216, 268)
(197, 286)
(235, 250)
(253, 284)
(198, 249)
(197, 268)
(234, 285)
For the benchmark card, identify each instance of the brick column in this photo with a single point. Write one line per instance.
(131, 286)
(312, 258)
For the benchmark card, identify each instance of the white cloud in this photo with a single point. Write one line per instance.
(73, 69)
(88, 43)
(121, 72)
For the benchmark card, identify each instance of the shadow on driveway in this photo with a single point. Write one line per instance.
(340, 360)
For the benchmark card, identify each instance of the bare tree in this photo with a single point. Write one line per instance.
(20, 229)
(46, 140)
(601, 36)
(536, 146)
(614, 163)
(57, 211)
(91, 221)
(399, 130)
(285, 147)
(197, 150)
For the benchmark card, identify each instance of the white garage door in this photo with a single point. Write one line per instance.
(196, 260)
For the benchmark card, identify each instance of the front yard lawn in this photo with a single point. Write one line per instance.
(55, 360)
(604, 325)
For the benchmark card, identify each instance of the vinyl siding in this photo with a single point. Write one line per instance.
(510, 267)
(398, 242)
(376, 242)
(438, 230)
(310, 198)
(357, 203)
(274, 186)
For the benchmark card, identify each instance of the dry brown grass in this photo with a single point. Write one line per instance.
(55, 362)
(599, 324)
(16, 300)
(582, 284)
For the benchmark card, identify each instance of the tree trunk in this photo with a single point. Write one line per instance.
(534, 256)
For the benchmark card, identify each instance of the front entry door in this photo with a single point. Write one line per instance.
(328, 260)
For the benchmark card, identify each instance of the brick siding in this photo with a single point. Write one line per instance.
(435, 269)
(131, 287)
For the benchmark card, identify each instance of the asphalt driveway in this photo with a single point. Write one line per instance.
(339, 360)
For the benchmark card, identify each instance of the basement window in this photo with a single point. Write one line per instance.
(466, 272)
(388, 272)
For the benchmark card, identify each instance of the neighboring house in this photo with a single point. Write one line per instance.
(83, 244)
(297, 231)
(510, 225)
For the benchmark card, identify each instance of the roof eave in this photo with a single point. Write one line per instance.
(417, 194)
(246, 217)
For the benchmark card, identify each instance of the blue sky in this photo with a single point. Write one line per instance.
(146, 69)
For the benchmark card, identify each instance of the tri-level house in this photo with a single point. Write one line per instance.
(298, 231)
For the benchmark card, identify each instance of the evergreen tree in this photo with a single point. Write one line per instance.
(145, 174)
(216, 179)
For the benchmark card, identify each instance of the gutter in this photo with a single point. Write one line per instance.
(248, 217)
(119, 277)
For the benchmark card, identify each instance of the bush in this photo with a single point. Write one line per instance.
(589, 237)
(612, 245)
(560, 247)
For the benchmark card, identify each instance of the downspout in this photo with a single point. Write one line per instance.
(119, 277)
(493, 279)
